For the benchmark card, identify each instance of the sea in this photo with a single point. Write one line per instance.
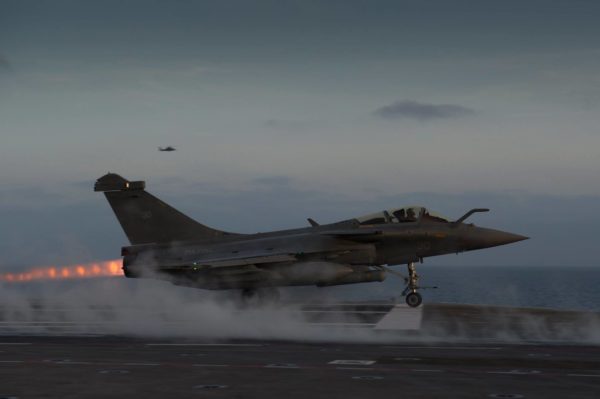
(565, 287)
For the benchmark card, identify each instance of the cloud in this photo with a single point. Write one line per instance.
(421, 111)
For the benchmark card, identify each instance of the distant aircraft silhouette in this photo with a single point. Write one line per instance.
(169, 148)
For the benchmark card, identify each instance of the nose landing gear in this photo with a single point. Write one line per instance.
(413, 298)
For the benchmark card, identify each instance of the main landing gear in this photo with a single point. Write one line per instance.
(413, 298)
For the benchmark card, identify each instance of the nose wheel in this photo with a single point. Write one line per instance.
(414, 299)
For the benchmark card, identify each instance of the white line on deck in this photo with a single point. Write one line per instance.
(353, 362)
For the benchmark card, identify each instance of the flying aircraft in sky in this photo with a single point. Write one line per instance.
(167, 244)
(167, 149)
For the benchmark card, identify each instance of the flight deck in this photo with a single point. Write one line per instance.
(437, 350)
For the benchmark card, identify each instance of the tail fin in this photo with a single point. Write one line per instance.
(145, 218)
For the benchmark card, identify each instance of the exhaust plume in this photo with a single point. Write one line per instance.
(88, 270)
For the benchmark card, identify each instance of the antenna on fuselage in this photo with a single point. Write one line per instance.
(312, 222)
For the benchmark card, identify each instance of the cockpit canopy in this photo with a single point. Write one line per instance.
(406, 214)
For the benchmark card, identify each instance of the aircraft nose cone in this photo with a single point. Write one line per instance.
(497, 237)
(486, 238)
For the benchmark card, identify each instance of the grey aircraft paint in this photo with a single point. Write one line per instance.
(169, 245)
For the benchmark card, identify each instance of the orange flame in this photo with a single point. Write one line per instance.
(96, 269)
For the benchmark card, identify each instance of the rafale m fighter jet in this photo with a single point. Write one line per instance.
(169, 245)
(167, 149)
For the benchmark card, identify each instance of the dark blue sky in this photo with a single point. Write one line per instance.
(287, 109)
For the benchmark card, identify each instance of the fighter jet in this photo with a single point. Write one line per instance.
(167, 244)
(167, 149)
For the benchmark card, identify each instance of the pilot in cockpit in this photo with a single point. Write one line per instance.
(410, 215)
(400, 215)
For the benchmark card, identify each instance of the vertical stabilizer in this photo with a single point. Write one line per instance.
(147, 219)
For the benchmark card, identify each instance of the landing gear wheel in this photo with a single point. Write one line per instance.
(414, 299)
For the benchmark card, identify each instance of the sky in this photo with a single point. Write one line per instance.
(282, 110)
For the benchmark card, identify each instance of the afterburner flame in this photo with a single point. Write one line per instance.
(88, 270)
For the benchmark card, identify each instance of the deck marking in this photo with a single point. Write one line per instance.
(353, 362)
(367, 377)
(516, 372)
(113, 371)
(583, 375)
(15, 343)
(428, 370)
(69, 362)
(141, 364)
(282, 366)
(354, 368)
(12, 361)
(211, 386)
(210, 365)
